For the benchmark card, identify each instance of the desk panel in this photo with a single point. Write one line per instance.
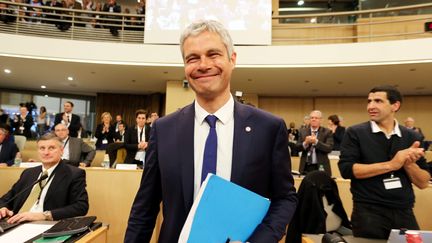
(111, 194)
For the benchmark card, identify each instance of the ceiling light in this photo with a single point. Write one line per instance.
(43, 87)
(300, 3)
(70, 78)
(7, 71)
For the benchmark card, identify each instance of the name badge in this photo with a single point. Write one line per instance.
(392, 183)
(104, 141)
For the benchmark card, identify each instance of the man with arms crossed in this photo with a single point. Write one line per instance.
(382, 159)
(252, 146)
(61, 195)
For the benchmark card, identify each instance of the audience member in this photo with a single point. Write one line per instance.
(4, 118)
(153, 117)
(71, 121)
(22, 122)
(53, 15)
(6, 14)
(42, 121)
(88, 6)
(409, 123)
(136, 139)
(35, 13)
(75, 151)
(104, 132)
(383, 159)
(315, 142)
(306, 122)
(95, 22)
(112, 148)
(338, 131)
(293, 136)
(252, 147)
(119, 120)
(66, 24)
(61, 195)
(112, 7)
(8, 150)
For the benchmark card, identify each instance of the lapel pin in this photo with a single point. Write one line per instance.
(248, 129)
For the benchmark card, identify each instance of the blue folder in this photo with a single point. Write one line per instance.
(226, 210)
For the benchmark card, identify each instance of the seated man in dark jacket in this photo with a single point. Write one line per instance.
(62, 194)
(8, 150)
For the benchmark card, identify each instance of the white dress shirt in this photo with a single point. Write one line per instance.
(38, 206)
(225, 135)
(66, 149)
(140, 155)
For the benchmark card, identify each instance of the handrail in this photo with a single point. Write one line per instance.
(94, 25)
(358, 12)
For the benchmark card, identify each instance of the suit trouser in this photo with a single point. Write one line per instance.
(373, 221)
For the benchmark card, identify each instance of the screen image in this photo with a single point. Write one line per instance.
(248, 21)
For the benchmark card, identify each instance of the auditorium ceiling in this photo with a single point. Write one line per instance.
(89, 79)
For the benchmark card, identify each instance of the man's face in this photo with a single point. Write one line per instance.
(23, 110)
(121, 128)
(61, 131)
(379, 107)
(50, 151)
(154, 116)
(141, 120)
(315, 119)
(207, 65)
(2, 135)
(118, 118)
(409, 122)
(67, 107)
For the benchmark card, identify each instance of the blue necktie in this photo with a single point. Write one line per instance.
(210, 149)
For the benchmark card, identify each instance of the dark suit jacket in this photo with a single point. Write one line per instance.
(27, 124)
(322, 149)
(109, 136)
(79, 151)
(260, 162)
(66, 197)
(131, 142)
(8, 152)
(73, 126)
(337, 137)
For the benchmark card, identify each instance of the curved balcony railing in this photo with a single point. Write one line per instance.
(337, 27)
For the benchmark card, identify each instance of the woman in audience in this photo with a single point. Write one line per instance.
(42, 121)
(337, 130)
(105, 132)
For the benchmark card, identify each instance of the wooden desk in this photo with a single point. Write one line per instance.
(111, 194)
(97, 236)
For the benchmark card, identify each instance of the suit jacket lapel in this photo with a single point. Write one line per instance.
(185, 137)
(242, 140)
(59, 176)
(72, 149)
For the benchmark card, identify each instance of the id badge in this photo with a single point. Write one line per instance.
(104, 141)
(392, 183)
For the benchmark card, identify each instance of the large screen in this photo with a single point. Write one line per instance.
(248, 21)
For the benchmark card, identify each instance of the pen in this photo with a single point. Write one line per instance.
(228, 240)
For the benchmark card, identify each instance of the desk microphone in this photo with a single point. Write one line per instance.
(43, 177)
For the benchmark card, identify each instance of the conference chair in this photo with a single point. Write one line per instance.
(20, 141)
(319, 209)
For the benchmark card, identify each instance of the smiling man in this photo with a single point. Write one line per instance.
(214, 134)
(382, 159)
(61, 195)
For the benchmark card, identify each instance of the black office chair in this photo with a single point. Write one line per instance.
(319, 210)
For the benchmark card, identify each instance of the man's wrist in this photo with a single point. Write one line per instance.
(48, 215)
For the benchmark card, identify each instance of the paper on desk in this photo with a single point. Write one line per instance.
(24, 232)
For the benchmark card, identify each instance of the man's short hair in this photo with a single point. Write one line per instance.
(139, 112)
(201, 26)
(50, 136)
(4, 128)
(334, 119)
(70, 102)
(393, 94)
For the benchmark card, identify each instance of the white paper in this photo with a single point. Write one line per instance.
(24, 232)
(126, 166)
(30, 164)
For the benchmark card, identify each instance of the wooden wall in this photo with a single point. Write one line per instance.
(351, 109)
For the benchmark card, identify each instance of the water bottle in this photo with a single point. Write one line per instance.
(17, 161)
(106, 162)
(321, 167)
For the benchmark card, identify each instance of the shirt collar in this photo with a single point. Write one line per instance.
(50, 170)
(377, 129)
(224, 114)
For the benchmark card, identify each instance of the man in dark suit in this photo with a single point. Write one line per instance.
(8, 150)
(119, 139)
(252, 147)
(75, 151)
(71, 121)
(136, 138)
(315, 142)
(62, 194)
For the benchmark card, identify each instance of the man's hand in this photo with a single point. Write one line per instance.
(26, 216)
(2, 164)
(82, 164)
(409, 155)
(142, 145)
(4, 213)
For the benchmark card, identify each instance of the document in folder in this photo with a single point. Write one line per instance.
(223, 210)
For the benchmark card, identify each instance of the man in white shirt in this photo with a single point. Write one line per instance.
(62, 194)
(71, 121)
(136, 138)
